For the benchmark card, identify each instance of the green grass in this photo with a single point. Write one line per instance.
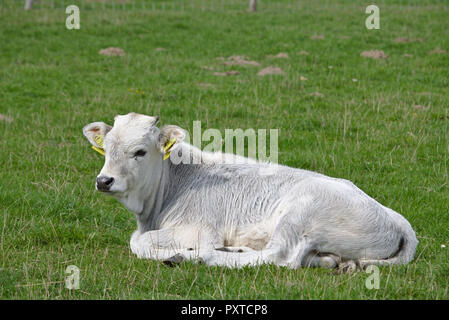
(53, 82)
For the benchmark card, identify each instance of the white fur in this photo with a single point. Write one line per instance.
(225, 212)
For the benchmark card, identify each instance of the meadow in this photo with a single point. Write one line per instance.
(381, 123)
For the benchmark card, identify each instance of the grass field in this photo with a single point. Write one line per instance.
(381, 123)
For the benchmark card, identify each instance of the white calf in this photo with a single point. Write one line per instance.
(225, 212)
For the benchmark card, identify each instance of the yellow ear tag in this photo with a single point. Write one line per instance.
(99, 141)
(100, 151)
(167, 148)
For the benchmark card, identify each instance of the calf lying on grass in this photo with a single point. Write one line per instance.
(223, 211)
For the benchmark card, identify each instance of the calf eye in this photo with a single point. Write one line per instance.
(140, 153)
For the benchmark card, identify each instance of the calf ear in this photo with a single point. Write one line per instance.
(170, 138)
(95, 133)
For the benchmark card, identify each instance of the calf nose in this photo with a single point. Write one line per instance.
(104, 183)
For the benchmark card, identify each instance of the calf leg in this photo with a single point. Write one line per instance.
(165, 243)
(287, 247)
(364, 263)
(289, 257)
(238, 259)
(208, 255)
(147, 246)
(315, 259)
(236, 249)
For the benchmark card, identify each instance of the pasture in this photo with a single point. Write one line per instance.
(381, 123)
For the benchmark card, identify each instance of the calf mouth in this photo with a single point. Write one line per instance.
(109, 192)
(103, 190)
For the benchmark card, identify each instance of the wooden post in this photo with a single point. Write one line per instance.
(28, 4)
(252, 5)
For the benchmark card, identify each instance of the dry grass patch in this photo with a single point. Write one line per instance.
(227, 73)
(240, 61)
(270, 71)
(205, 85)
(317, 94)
(6, 118)
(280, 55)
(111, 51)
(374, 54)
(421, 107)
(437, 50)
(407, 40)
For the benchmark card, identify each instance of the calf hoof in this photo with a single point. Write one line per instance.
(173, 261)
(328, 263)
(346, 267)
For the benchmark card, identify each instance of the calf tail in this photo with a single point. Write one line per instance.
(407, 248)
(403, 255)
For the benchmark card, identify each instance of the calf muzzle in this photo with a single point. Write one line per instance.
(104, 183)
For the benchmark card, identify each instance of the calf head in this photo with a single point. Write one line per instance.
(134, 149)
